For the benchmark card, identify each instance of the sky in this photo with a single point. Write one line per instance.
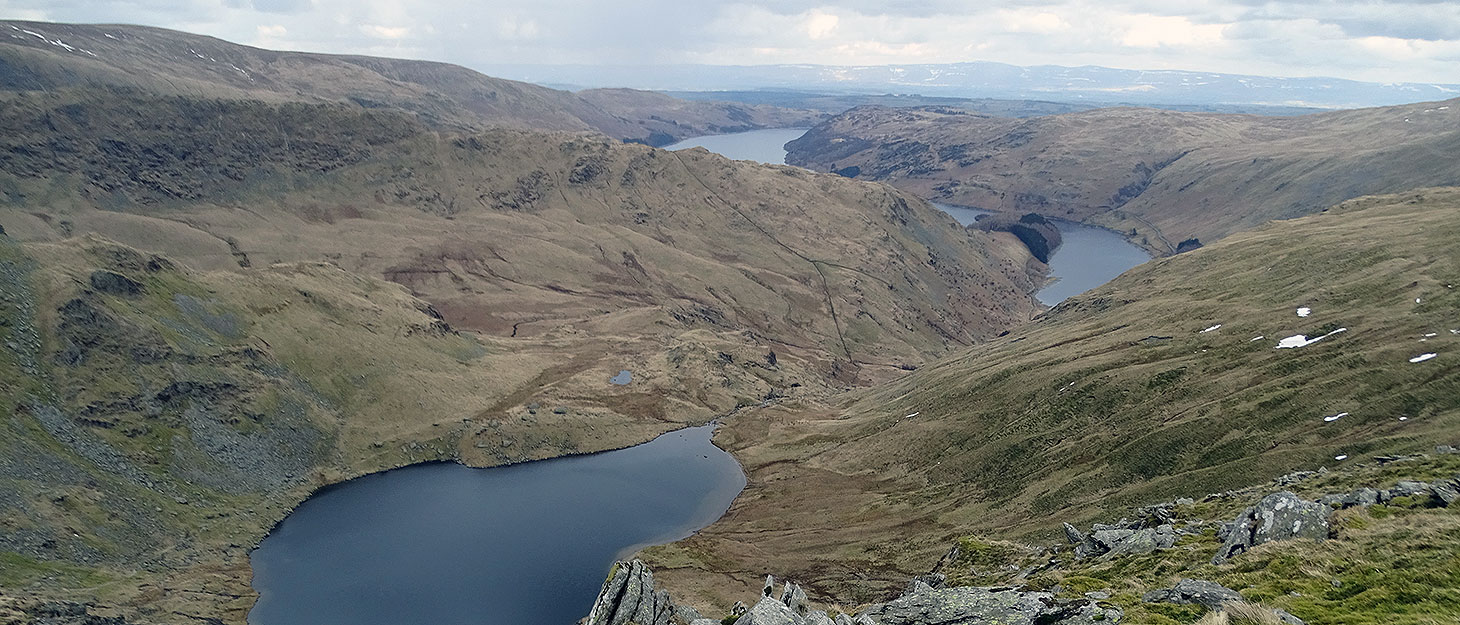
(1370, 40)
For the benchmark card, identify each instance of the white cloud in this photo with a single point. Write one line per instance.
(385, 32)
(819, 25)
(1154, 31)
(1381, 40)
(1031, 21)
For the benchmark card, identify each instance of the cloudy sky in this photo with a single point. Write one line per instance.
(1374, 40)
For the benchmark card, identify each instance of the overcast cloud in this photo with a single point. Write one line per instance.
(1374, 40)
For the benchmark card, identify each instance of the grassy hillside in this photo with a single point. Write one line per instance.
(517, 233)
(1125, 395)
(1164, 175)
(40, 56)
(1391, 563)
(158, 420)
(288, 294)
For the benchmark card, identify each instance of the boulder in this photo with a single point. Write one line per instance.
(768, 611)
(1279, 516)
(916, 587)
(988, 605)
(1405, 488)
(818, 618)
(794, 598)
(1197, 592)
(1446, 491)
(629, 596)
(1359, 497)
(1084, 545)
(1120, 539)
(1287, 618)
(1146, 541)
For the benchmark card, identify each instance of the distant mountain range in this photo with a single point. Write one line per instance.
(1091, 84)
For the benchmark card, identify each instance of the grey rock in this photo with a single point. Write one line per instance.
(1073, 535)
(629, 596)
(1294, 478)
(686, 614)
(1410, 488)
(1195, 591)
(768, 611)
(842, 619)
(1084, 545)
(934, 580)
(916, 587)
(793, 597)
(113, 283)
(1285, 617)
(818, 618)
(1185, 501)
(1224, 530)
(1405, 488)
(738, 609)
(988, 605)
(704, 621)
(1363, 497)
(768, 587)
(1108, 538)
(863, 620)
(1279, 516)
(1447, 491)
(1147, 540)
(1121, 539)
(1446, 449)
(1359, 497)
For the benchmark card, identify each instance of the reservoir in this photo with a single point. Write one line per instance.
(1089, 256)
(766, 146)
(444, 544)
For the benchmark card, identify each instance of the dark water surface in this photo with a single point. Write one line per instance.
(444, 544)
(1089, 256)
(766, 146)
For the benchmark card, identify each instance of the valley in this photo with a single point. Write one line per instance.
(238, 287)
(1162, 177)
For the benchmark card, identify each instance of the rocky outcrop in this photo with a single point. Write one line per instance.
(1279, 516)
(630, 596)
(1195, 591)
(113, 283)
(1212, 596)
(1123, 538)
(988, 605)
